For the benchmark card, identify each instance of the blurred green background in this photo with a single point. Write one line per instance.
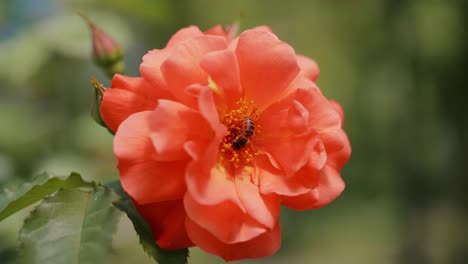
(399, 68)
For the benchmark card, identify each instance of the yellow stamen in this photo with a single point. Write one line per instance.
(233, 120)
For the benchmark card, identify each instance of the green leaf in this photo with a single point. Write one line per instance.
(70, 226)
(31, 192)
(144, 231)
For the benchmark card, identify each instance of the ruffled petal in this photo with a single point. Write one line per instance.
(153, 181)
(323, 116)
(184, 34)
(150, 68)
(290, 133)
(264, 245)
(208, 183)
(339, 158)
(234, 41)
(139, 172)
(225, 220)
(139, 86)
(267, 67)
(307, 97)
(310, 173)
(132, 141)
(182, 68)
(304, 111)
(309, 67)
(334, 140)
(202, 171)
(293, 152)
(274, 180)
(339, 109)
(207, 108)
(223, 69)
(264, 208)
(167, 221)
(230, 207)
(172, 125)
(329, 187)
(301, 202)
(301, 82)
(118, 104)
(217, 30)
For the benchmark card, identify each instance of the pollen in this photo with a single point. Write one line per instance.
(237, 148)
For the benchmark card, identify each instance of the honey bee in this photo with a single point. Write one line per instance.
(239, 142)
(248, 129)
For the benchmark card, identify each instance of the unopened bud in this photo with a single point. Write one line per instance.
(107, 52)
(98, 92)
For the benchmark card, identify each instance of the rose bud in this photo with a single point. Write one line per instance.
(107, 53)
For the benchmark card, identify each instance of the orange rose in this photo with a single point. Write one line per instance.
(218, 133)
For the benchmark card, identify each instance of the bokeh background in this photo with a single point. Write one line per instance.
(399, 68)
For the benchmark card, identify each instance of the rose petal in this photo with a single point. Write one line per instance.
(301, 202)
(316, 162)
(262, 207)
(301, 82)
(267, 66)
(167, 221)
(273, 180)
(207, 108)
(224, 220)
(339, 109)
(261, 246)
(293, 152)
(139, 172)
(323, 116)
(229, 206)
(304, 110)
(153, 181)
(339, 158)
(330, 186)
(334, 140)
(172, 125)
(139, 86)
(184, 34)
(290, 133)
(234, 41)
(150, 68)
(118, 104)
(217, 30)
(208, 183)
(223, 69)
(309, 67)
(132, 142)
(182, 68)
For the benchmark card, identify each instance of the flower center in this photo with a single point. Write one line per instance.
(237, 148)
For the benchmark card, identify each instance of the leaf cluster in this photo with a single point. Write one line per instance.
(75, 221)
